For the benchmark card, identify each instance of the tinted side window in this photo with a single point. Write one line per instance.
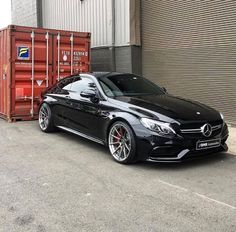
(61, 87)
(82, 84)
(66, 83)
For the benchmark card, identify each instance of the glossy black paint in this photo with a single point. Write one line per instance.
(93, 115)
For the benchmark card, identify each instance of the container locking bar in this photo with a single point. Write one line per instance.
(32, 77)
(47, 59)
(72, 51)
(58, 56)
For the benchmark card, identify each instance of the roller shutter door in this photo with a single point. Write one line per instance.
(190, 48)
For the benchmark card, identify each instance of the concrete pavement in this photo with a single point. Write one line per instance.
(61, 182)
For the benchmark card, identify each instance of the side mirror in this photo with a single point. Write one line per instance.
(164, 89)
(91, 94)
(88, 93)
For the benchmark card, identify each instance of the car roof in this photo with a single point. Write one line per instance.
(99, 75)
(102, 74)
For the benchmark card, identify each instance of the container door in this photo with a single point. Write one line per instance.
(71, 55)
(32, 56)
(5, 73)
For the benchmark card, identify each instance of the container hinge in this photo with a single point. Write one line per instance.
(32, 34)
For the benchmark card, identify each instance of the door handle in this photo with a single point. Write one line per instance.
(68, 100)
(103, 114)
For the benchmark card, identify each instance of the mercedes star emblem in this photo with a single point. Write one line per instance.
(206, 130)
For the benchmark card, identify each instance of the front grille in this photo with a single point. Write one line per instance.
(194, 130)
(199, 130)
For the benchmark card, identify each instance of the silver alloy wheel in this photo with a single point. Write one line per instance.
(120, 142)
(44, 116)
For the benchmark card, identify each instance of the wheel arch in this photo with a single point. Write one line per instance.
(47, 100)
(49, 127)
(117, 119)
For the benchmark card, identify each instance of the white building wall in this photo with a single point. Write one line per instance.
(24, 12)
(122, 22)
(93, 16)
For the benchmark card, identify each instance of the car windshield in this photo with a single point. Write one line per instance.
(128, 85)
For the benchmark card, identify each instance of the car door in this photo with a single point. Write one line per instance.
(82, 113)
(61, 93)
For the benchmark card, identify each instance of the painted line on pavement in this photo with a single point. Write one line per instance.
(197, 194)
(174, 186)
(216, 201)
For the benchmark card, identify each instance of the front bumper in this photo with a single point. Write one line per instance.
(188, 154)
(158, 149)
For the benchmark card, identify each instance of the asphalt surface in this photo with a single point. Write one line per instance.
(61, 182)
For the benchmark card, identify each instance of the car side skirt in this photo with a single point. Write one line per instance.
(81, 134)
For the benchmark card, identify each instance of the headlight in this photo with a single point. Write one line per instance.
(222, 116)
(161, 128)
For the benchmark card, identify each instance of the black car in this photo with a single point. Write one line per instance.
(135, 118)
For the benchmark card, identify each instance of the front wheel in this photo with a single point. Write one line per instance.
(121, 141)
(45, 118)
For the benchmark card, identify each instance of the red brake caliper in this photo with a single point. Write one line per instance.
(119, 135)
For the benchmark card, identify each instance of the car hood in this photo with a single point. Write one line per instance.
(173, 107)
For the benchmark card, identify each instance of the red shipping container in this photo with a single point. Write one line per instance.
(32, 59)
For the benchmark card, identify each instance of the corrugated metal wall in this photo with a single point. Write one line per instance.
(122, 21)
(93, 16)
(24, 12)
(190, 48)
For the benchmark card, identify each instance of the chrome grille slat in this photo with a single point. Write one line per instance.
(191, 131)
(216, 127)
(199, 130)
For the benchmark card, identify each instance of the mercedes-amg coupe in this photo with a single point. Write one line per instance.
(134, 117)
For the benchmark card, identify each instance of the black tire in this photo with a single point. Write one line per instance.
(126, 141)
(46, 119)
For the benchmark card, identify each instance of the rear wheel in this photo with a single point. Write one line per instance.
(121, 142)
(45, 119)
